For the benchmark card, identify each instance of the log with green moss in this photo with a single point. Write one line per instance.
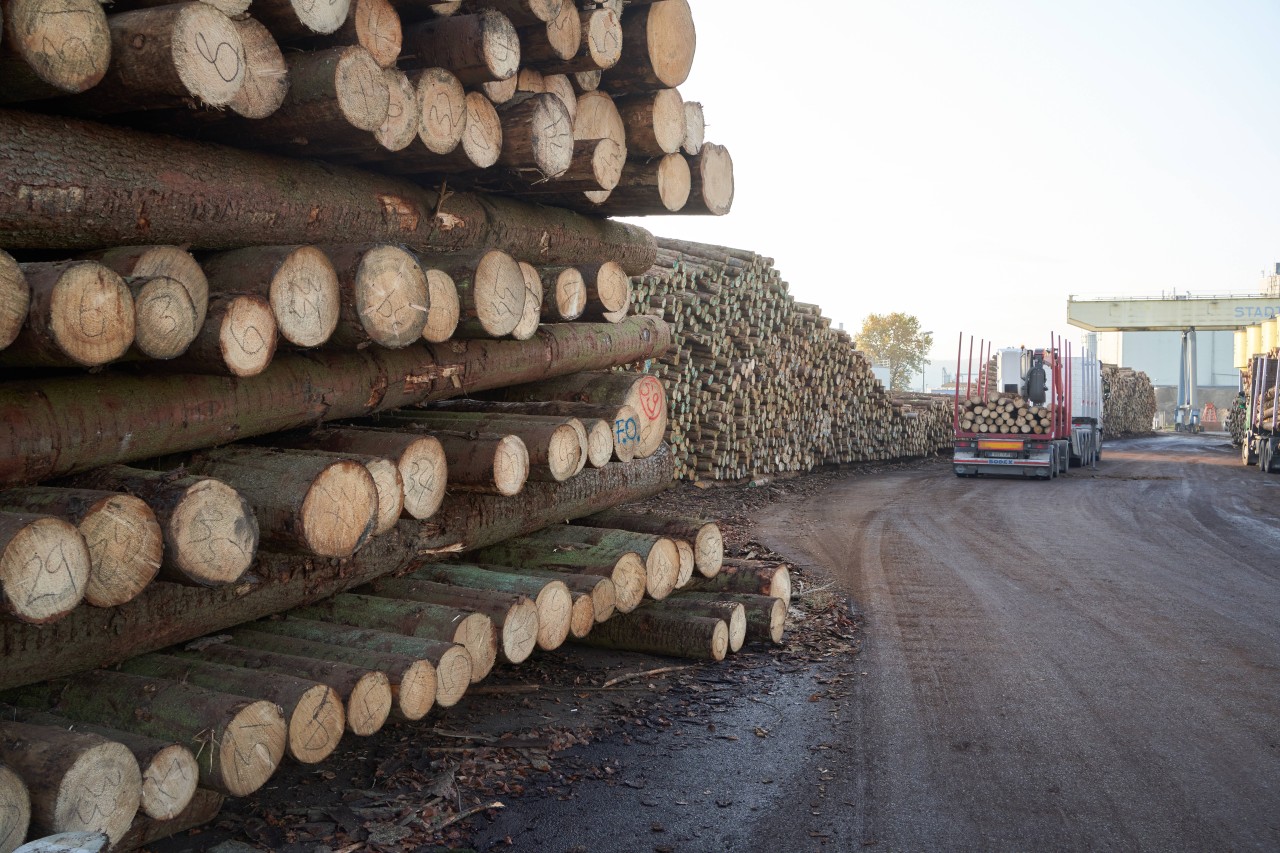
(705, 536)
(626, 571)
(673, 634)
(766, 615)
(759, 577)
(550, 544)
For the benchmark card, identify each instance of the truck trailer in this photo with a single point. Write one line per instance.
(1261, 442)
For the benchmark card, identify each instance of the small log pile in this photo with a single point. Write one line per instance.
(1128, 401)
(1005, 414)
(758, 383)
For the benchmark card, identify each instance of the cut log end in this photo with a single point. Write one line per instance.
(564, 453)
(453, 676)
(322, 18)
(443, 309)
(391, 296)
(532, 315)
(498, 293)
(630, 579)
(44, 567)
(715, 179)
(167, 261)
(402, 123)
(602, 38)
(305, 297)
(165, 318)
(212, 534)
(91, 314)
(338, 512)
(315, 725)
(377, 27)
(15, 299)
(626, 434)
(671, 41)
(777, 620)
(424, 471)
(570, 294)
(564, 32)
(361, 87)
(737, 625)
(390, 487)
(599, 442)
(519, 633)
(100, 792)
(125, 545)
(612, 287)
(649, 399)
(476, 634)
(510, 465)
(208, 54)
(708, 548)
(662, 568)
(482, 135)
(583, 616)
(169, 782)
(695, 127)
(675, 182)
(244, 333)
(415, 692)
(369, 704)
(67, 43)
(252, 745)
(266, 74)
(686, 563)
(443, 108)
(15, 813)
(556, 614)
(603, 600)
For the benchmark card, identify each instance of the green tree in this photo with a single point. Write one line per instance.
(896, 339)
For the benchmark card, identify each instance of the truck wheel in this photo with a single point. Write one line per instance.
(1247, 454)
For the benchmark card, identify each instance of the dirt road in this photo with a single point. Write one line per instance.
(1090, 663)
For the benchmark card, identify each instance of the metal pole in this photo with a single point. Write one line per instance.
(955, 413)
(1193, 413)
(968, 377)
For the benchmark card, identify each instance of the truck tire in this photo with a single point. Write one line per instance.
(1248, 455)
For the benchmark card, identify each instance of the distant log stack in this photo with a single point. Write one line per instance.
(760, 384)
(1128, 401)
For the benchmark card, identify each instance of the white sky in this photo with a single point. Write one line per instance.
(973, 162)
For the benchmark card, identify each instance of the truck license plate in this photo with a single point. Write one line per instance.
(999, 461)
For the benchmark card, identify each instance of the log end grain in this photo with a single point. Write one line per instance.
(251, 747)
(91, 314)
(361, 86)
(369, 704)
(390, 487)
(602, 37)
(424, 471)
(686, 563)
(378, 30)
(337, 514)
(715, 179)
(671, 40)
(15, 810)
(603, 600)
(675, 182)
(212, 534)
(662, 568)
(391, 296)
(243, 338)
(315, 724)
(44, 567)
(564, 453)
(479, 637)
(612, 287)
(510, 465)
(208, 54)
(626, 434)
(630, 579)
(777, 620)
(649, 399)
(167, 261)
(453, 676)
(556, 611)
(528, 325)
(498, 293)
(15, 299)
(607, 162)
(443, 110)
(415, 692)
(266, 74)
(500, 45)
(67, 43)
(304, 295)
(169, 782)
(564, 32)
(599, 442)
(165, 318)
(570, 294)
(708, 548)
(518, 636)
(322, 18)
(583, 616)
(100, 792)
(695, 128)
(403, 120)
(443, 309)
(669, 122)
(126, 546)
(482, 134)
(737, 625)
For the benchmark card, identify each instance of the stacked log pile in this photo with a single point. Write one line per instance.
(1128, 401)
(248, 222)
(1005, 414)
(759, 383)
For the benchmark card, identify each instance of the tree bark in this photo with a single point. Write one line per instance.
(662, 559)
(564, 295)
(707, 540)
(656, 187)
(238, 741)
(599, 45)
(210, 531)
(627, 572)
(300, 282)
(600, 588)
(515, 617)
(621, 422)
(383, 296)
(642, 392)
(487, 463)
(124, 539)
(15, 810)
(238, 338)
(317, 504)
(766, 615)
(553, 444)
(537, 137)
(412, 680)
(60, 426)
(472, 630)
(550, 596)
(78, 782)
(477, 48)
(81, 314)
(166, 614)
(313, 711)
(733, 613)
(420, 459)
(655, 122)
(451, 662)
(749, 576)
(44, 567)
(169, 770)
(673, 634)
(137, 188)
(364, 696)
(52, 47)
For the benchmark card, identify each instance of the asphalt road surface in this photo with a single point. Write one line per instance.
(1088, 663)
(1091, 663)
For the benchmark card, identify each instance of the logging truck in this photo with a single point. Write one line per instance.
(1261, 441)
(1031, 413)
